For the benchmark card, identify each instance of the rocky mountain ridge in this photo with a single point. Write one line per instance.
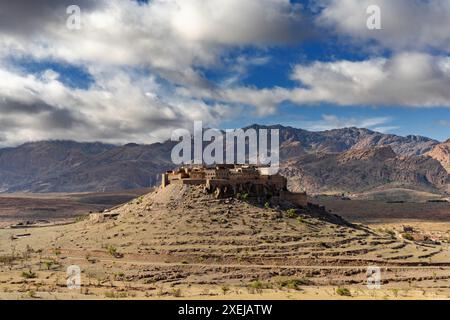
(349, 159)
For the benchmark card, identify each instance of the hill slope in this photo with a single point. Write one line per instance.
(441, 153)
(180, 238)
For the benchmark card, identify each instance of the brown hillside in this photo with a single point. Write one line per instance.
(180, 241)
(441, 153)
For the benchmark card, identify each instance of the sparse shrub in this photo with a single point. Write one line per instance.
(244, 196)
(49, 264)
(257, 285)
(291, 213)
(395, 292)
(267, 205)
(140, 200)
(343, 292)
(81, 218)
(113, 251)
(301, 220)
(115, 295)
(176, 292)
(29, 274)
(119, 276)
(407, 236)
(225, 290)
(294, 283)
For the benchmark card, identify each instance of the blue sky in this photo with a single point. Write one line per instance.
(134, 72)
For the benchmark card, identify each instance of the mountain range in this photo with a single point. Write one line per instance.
(341, 160)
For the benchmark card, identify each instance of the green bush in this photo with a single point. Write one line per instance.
(408, 236)
(291, 213)
(49, 264)
(257, 285)
(343, 292)
(301, 220)
(225, 290)
(29, 275)
(294, 283)
(113, 251)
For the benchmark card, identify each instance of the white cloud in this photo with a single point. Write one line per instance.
(120, 44)
(172, 36)
(117, 109)
(128, 47)
(406, 24)
(237, 22)
(407, 79)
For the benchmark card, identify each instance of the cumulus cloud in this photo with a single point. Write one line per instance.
(407, 79)
(147, 63)
(172, 36)
(128, 48)
(406, 24)
(30, 18)
(117, 109)
(253, 21)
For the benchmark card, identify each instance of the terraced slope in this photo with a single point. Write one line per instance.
(182, 240)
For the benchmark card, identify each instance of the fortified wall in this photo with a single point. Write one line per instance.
(235, 180)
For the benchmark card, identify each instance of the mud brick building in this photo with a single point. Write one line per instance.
(232, 180)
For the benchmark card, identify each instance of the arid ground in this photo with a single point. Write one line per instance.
(58, 207)
(183, 243)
